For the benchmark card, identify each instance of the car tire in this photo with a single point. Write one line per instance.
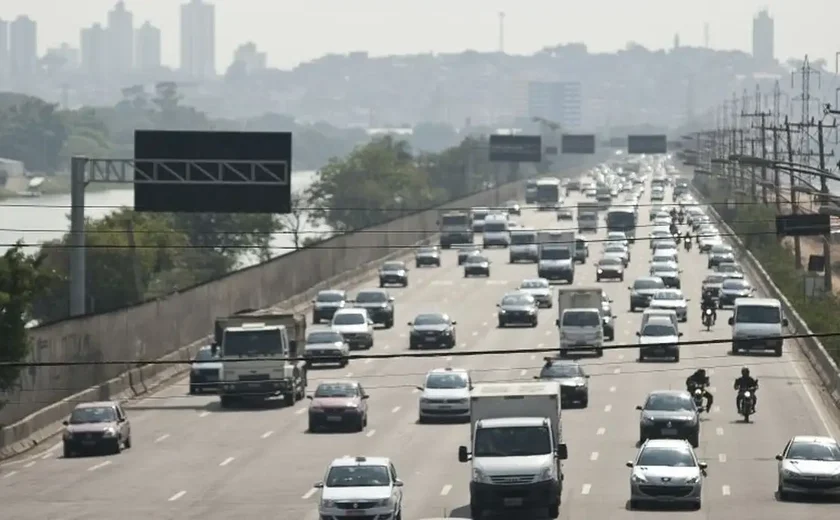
(389, 324)
(67, 452)
(584, 403)
(127, 442)
(194, 389)
(694, 439)
(554, 511)
(501, 324)
(311, 426)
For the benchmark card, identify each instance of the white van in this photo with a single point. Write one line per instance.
(496, 230)
(660, 313)
(757, 324)
(523, 245)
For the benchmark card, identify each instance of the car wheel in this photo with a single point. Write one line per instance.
(694, 439)
(68, 454)
(127, 442)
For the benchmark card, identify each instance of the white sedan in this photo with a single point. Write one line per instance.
(672, 300)
(809, 465)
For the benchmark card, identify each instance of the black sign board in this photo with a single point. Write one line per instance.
(803, 225)
(648, 144)
(213, 172)
(516, 148)
(578, 143)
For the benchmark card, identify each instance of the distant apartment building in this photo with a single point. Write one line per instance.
(198, 39)
(556, 101)
(763, 44)
(250, 57)
(4, 54)
(147, 48)
(23, 52)
(94, 51)
(120, 36)
(67, 55)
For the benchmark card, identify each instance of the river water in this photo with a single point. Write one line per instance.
(41, 219)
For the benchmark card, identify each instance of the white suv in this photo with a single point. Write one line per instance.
(355, 326)
(361, 487)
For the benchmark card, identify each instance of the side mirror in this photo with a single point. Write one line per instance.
(318, 485)
(638, 334)
(610, 300)
(557, 322)
(366, 396)
(629, 464)
(454, 322)
(688, 299)
(309, 397)
(784, 322)
(586, 376)
(732, 320)
(398, 483)
(65, 423)
(779, 457)
(463, 454)
(409, 324)
(628, 288)
(419, 388)
(562, 451)
(638, 407)
(703, 465)
(370, 322)
(390, 298)
(680, 334)
(536, 377)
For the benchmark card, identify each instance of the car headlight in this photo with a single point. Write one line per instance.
(480, 476)
(502, 311)
(546, 474)
(382, 503)
(352, 405)
(328, 503)
(789, 473)
(646, 419)
(600, 271)
(110, 432)
(638, 478)
(532, 311)
(692, 480)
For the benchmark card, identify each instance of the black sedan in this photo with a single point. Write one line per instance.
(205, 371)
(433, 330)
(477, 265)
(642, 291)
(427, 256)
(574, 382)
(732, 289)
(517, 308)
(609, 268)
(669, 414)
(393, 273)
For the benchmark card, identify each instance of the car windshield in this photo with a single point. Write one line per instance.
(673, 457)
(661, 268)
(714, 279)
(658, 330)
(522, 239)
(667, 295)
(561, 370)
(441, 381)
(250, 343)
(822, 451)
(336, 390)
(329, 297)
(668, 402)
(430, 319)
(642, 285)
(757, 314)
(517, 299)
(326, 336)
(581, 319)
(556, 254)
(393, 266)
(510, 441)
(614, 248)
(609, 261)
(735, 284)
(93, 414)
(616, 236)
(349, 318)
(721, 249)
(205, 354)
(534, 284)
(495, 227)
(371, 297)
(358, 476)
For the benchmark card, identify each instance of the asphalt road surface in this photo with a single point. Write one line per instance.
(192, 460)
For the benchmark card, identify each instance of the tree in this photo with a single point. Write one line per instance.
(21, 280)
(34, 132)
(295, 222)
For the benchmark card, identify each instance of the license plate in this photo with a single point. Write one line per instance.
(355, 513)
(444, 407)
(513, 502)
(88, 442)
(334, 418)
(669, 431)
(253, 385)
(431, 336)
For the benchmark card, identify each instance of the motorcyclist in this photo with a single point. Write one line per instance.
(708, 302)
(687, 240)
(699, 379)
(743, 383)
(674, 229)
(681, 216)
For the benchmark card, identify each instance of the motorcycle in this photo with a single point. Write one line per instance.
(746, 403)
(697, 396)
(681, 219)
(708, 319)
(687, 243)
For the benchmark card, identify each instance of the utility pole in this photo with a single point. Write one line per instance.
(759, 140)
(794, 202)
(825, 197)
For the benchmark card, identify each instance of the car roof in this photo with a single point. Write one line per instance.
(339, 292)
(676, 393)
(660, 320)
(360, 461)
(348, 382)
(440, 314)
(96, 404)
(377, 291)
(448, 370)
(665, 443)
(813, 439)
(351, 310)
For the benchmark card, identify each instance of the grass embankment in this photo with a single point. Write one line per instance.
(755, 226)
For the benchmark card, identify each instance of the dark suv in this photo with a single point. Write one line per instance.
(379, 304)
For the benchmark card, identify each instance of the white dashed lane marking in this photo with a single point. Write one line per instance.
(29, 464)
(726, 491)
(226, 462)
(100, 465)
(719, 430)
(162, 437)
(601, 431)
(266, 435)
(612, 389)
(722, 458)
(445, 490)
(10, 474)
(309, 493)
(301, 411)
(204, 414)
(586, 489)
(608, 408)
(177, 495)
(371, 433)
(594, 456)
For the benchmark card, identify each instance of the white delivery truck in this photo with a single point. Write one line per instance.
(516, 447)
(557, 253)
(580, 319)
(587, 217)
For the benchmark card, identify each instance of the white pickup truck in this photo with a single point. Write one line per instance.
(516, 448)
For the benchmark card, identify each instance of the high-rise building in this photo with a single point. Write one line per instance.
(23, 51)
(120, 34)
(68, 56)
(763, 48)
(250, 57)
(147, 48)
(4, 54)
(556, 101)
(198, 39)
(94, 50)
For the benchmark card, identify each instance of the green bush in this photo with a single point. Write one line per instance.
(755, 226)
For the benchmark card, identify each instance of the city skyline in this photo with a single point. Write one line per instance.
(328, 27)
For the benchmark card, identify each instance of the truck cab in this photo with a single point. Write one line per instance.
(516, 448)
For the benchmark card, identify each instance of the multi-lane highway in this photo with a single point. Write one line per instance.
(192, 460)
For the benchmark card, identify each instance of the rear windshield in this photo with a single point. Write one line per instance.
(520, 239)
(765, 314)
(581, 319)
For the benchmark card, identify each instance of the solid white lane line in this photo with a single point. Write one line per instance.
(204, 414)
(601, 431)
(726, 491)
(445, 490)
(594, 456)
(827, 424)
(100, 465)
(370, 433)
(162, 437)
(586, 489)
(722, 458)
(177, 495)
(719, 430)
(226, 462)
(301, 411)
(10, 474)
(267, 434)
(608, 408)
(395, 409)
(309, 493)
(46, 456)
(523, 372)
(612, 389)
(29, 464)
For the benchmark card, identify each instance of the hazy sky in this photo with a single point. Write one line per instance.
(292, 31)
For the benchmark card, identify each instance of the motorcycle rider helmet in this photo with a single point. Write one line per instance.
(745, 372)
(701, 372)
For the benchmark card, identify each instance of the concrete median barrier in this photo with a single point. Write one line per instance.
(174, 327)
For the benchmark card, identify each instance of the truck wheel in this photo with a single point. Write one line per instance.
(289, 399)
